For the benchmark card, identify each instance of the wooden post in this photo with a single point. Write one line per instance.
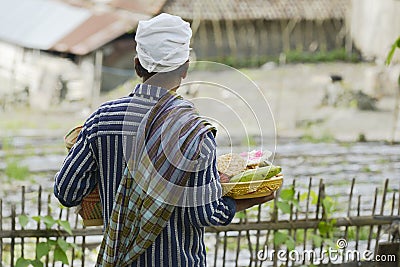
(98, 63)
(230, 31)
(321, 36)
(217, 37)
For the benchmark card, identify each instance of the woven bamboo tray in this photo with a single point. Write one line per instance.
(252, 189)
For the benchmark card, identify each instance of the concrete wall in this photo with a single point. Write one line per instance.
(36, 78)
(375, 25)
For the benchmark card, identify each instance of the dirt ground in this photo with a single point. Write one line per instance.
(284, 100)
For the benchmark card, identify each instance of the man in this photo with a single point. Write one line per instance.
(153, 158)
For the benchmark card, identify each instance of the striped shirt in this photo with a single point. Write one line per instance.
(97, 158)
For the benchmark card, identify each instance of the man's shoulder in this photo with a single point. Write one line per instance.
(115, 103)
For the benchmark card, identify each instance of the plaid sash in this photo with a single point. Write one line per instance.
(167, 150)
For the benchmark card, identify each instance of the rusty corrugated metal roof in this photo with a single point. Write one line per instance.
(96, 31)
(72, 28)
(258, 9)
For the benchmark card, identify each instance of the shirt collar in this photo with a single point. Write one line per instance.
(149, 90)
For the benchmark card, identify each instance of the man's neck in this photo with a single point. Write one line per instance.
(160, 81)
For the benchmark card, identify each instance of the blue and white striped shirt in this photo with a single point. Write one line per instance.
(97, 158)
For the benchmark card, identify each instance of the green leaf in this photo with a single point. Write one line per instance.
(280, 238)
(21, 262)
(48, 221)
(37, 218)
(317, 240)
(303, 196)
(51, 242)
(290, 244)
(283, 206)
(287, 194)
(23, 220)
(37, 263)
(60, 255)
(63, 244)
(314, 198)
(392, 50)
(241, 215)
(42, 249)
(66, 226)
(328, 205)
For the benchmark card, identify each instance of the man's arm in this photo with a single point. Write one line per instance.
(219, 211)
(76, 178)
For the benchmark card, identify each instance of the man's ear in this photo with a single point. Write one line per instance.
(137, 70)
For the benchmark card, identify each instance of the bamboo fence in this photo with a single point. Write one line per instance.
(364, 226)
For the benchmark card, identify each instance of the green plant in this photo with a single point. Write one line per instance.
(326, 227)
(56, 246)
(395, 45)
(15, 170)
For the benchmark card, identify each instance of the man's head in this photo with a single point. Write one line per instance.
(162, 46)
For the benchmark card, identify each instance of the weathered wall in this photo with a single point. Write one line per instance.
(375, 25)
(36, 78)
(249, 39)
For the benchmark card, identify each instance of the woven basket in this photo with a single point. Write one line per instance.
(71, 136)
(90, 209)
(252, 189)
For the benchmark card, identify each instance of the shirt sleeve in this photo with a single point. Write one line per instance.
(212, 208)
(77, 176)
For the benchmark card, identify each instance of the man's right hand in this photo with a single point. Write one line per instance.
(242, 204)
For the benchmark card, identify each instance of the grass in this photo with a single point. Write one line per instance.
(14, 170)
(291, 57)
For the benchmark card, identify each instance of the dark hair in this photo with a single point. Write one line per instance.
(141, 71)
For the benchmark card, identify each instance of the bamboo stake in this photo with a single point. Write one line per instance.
(381, 213)
(12, 249)
(317, 214)
(358, 227)
(39, 210)
(371, 228)
(290, 221)
(59, 217)
(238, 245)
(1, 229)
(48, 213)
(83, 248)
(22, 212)
(216, 248)
(307, 210)
(392, 210)
(296, 218)
(225, 247)
(323, 217)
(257, 235)
(275, 219)
(249, 244)
(353, 181)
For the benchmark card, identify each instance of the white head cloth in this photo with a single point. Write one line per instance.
(162, 43)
